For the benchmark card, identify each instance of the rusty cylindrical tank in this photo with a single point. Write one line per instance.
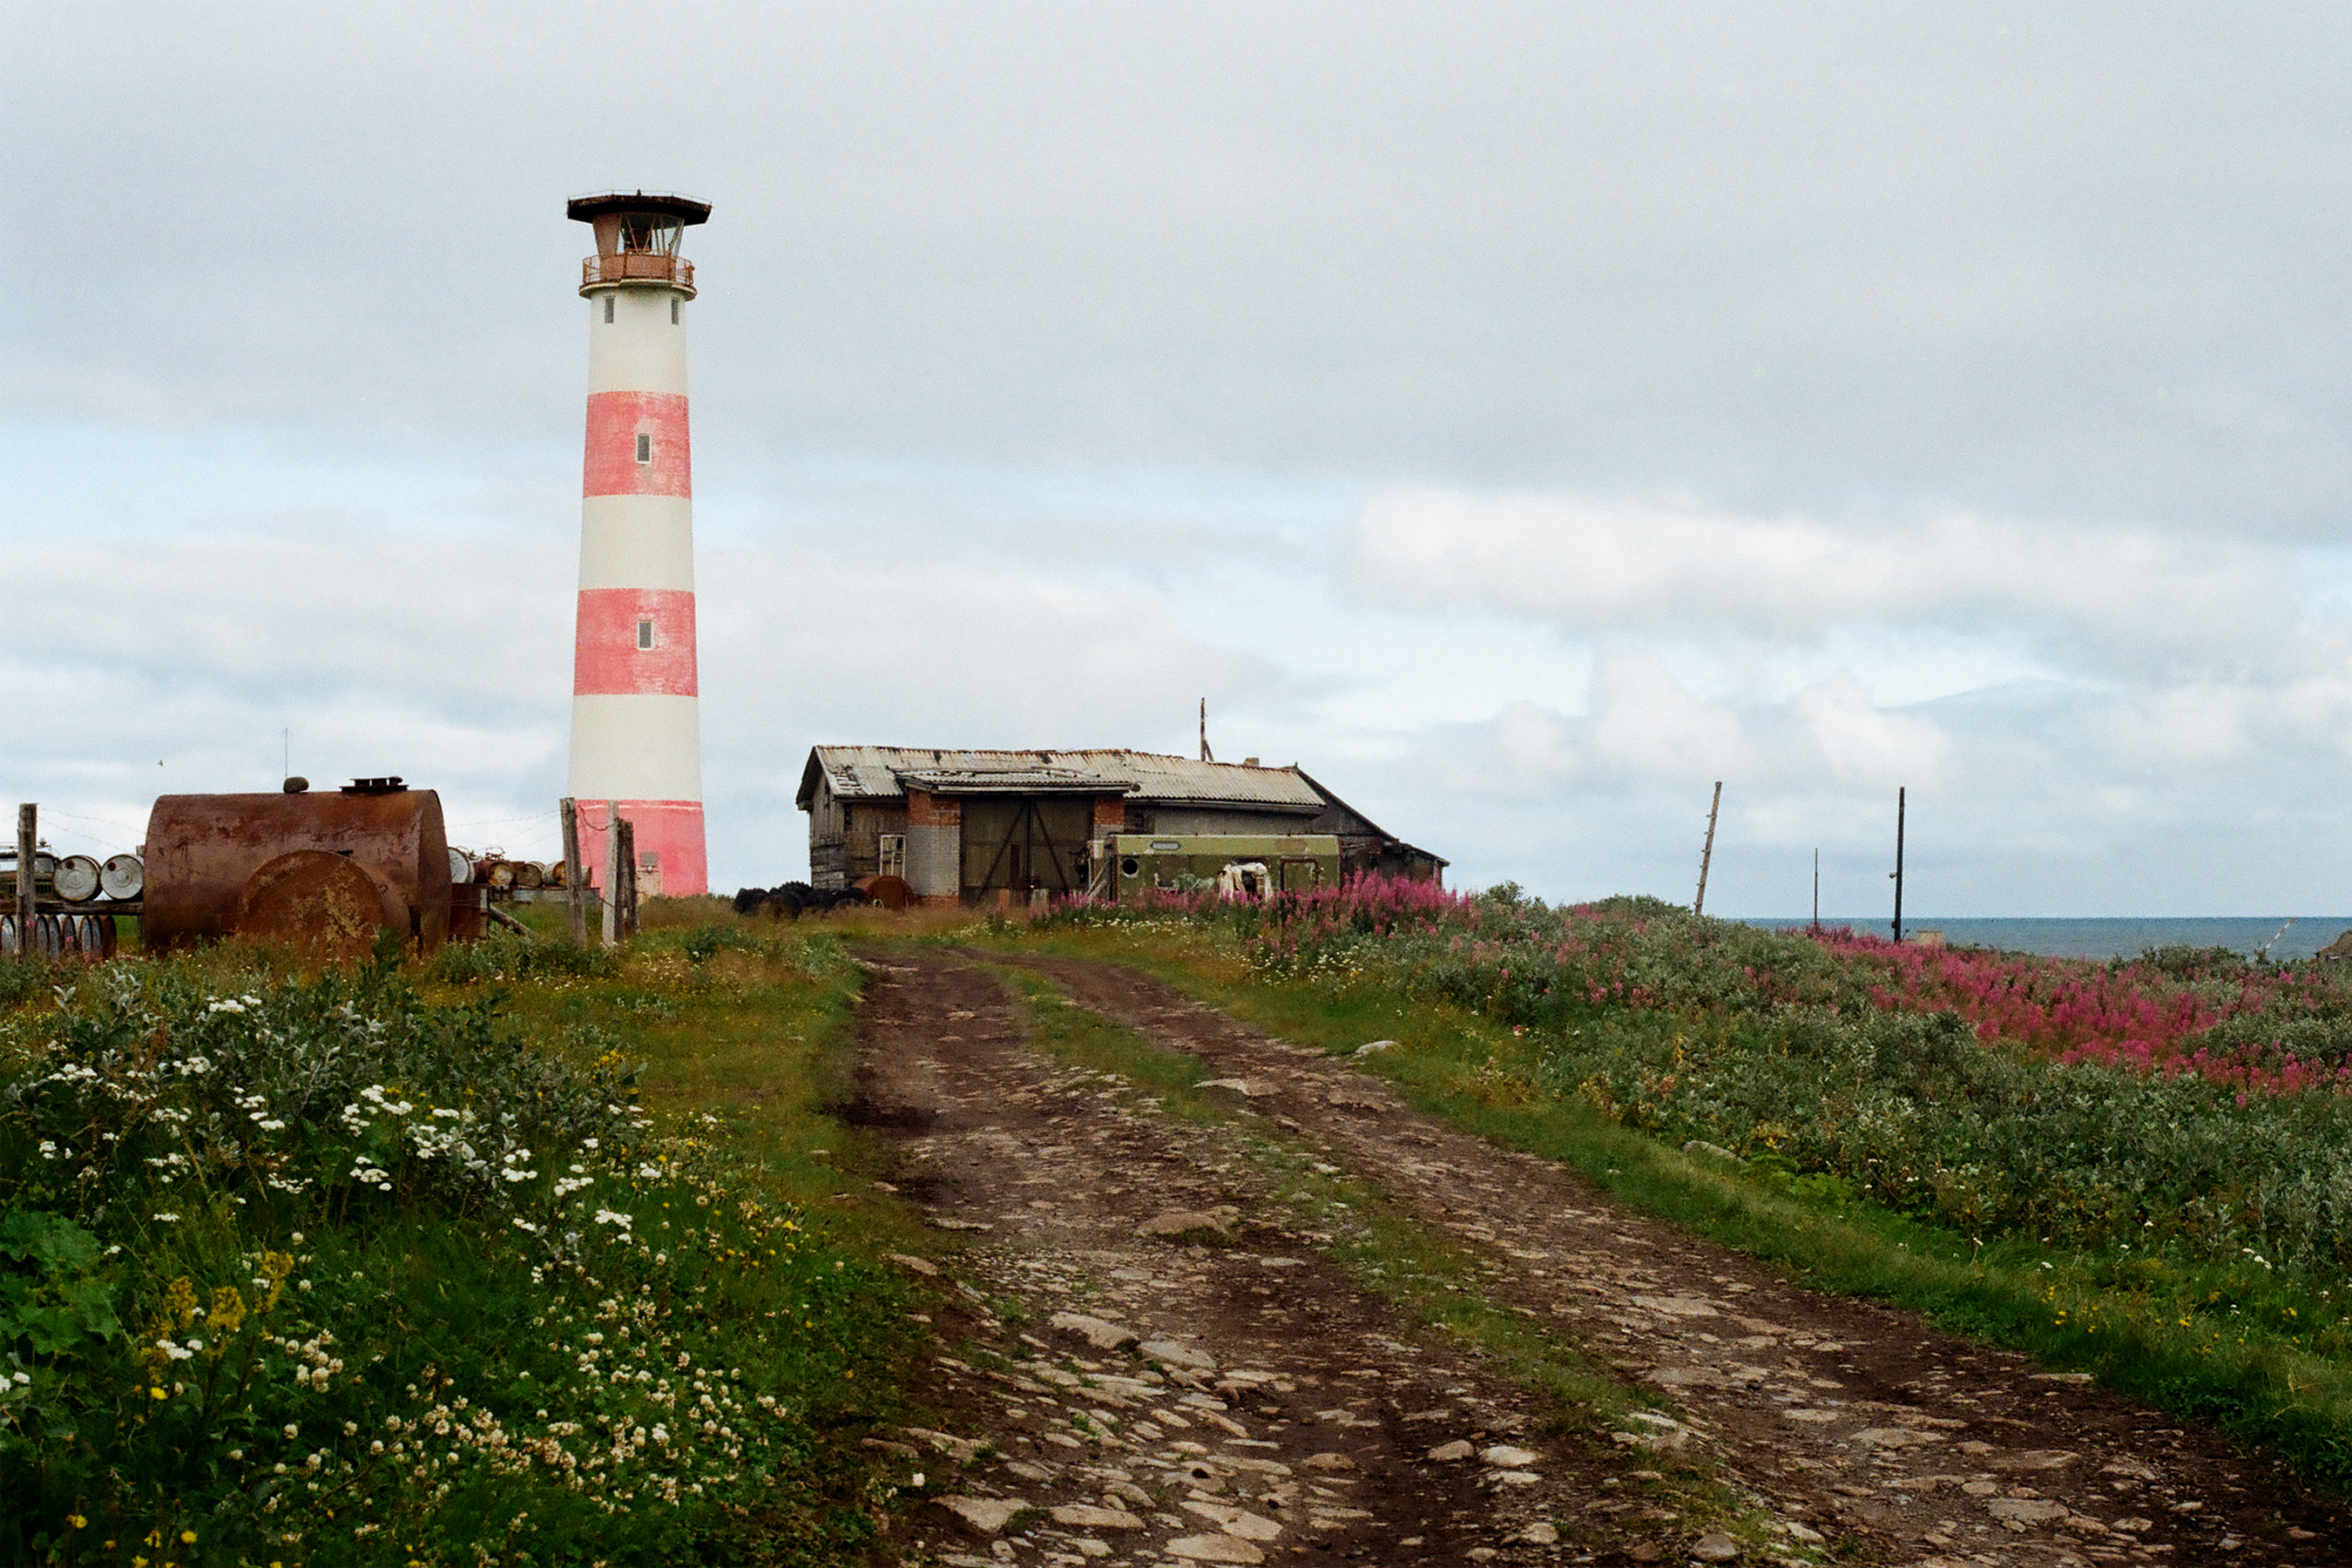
(202, 851)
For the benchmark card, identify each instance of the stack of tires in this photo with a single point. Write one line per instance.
(793, 899)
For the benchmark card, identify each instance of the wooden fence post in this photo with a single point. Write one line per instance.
(611, 873)
(574, 894)
(628, 880)
(29, 822)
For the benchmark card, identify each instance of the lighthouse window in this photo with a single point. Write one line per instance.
(644, 447)
(645, 634)
(608, 307)
(673, 310)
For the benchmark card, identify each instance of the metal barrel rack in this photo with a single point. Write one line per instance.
(64, 907)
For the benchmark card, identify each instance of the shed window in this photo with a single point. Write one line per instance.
(645, 634)
(645, 447)
(608, 307)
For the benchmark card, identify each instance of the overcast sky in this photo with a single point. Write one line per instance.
(1522, 417)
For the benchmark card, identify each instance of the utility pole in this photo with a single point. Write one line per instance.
(1897, 872)
(1206, 755)
(1817, 891)
(1698, 904)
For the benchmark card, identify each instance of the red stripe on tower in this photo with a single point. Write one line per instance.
(637, 445)
(635, 640)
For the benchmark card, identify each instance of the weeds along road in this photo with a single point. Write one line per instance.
(1229, 1300)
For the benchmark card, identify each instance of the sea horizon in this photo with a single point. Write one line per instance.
(2098, 936)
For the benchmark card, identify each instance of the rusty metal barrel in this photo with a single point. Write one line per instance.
(205, 854)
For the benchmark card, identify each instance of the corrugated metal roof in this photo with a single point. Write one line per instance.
(874, 772)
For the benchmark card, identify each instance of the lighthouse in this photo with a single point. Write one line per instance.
(636, 736)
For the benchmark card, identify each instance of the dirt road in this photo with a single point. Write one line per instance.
(1165, 1366)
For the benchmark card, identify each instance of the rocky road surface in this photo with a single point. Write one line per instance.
(1164, 1367)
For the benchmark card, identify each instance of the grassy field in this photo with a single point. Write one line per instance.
(521, 1256)
(1691, 1107)
(527, 1254)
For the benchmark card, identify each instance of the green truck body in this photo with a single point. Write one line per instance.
(1127, 864)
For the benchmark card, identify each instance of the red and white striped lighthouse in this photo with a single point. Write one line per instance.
(636, 737)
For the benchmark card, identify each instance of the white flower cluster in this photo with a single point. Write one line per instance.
(315, 1360)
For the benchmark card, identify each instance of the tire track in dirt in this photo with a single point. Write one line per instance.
(1218, 1393)
(1863, 1420)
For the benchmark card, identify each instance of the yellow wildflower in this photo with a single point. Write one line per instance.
(226, 1316)
(179, 1302)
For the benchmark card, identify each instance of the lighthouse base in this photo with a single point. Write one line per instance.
(671, 859)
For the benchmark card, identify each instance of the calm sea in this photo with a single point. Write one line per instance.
(2095, 937)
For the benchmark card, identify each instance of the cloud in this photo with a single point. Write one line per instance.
(1596, 565)
(1648, 725)
(386, 648)
(2032, 262)
(1862, 743)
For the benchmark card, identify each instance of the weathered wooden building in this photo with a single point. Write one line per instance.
(961, 826)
